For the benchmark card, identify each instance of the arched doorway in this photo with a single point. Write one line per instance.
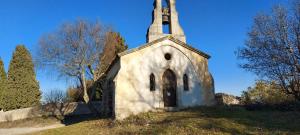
(169, 88)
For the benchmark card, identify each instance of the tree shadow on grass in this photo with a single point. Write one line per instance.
(71, 113)
(263, 120)
(74, 119)
(232, 120)
(192, 120)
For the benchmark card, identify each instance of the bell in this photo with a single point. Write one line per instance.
(166, 15)
(165, 19)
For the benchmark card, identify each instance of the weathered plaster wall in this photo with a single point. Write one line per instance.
(132, 92)
(155, 31)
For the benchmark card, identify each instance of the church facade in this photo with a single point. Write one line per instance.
(165, 73)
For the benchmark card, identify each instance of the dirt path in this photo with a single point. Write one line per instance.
(27, 130)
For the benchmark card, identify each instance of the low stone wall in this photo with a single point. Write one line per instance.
(47, 110)
(225, 99)
(19, 114)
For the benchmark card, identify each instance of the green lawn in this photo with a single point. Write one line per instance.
(205, 120)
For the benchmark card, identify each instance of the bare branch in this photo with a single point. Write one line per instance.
(73, 50)
(273, 48)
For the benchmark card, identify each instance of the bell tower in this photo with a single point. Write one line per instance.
(165, 21)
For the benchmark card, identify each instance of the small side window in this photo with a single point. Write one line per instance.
(152, 82)
(185, 82)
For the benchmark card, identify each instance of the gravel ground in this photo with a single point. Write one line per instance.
(27, 130)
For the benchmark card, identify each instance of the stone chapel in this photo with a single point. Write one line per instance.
(165, 73)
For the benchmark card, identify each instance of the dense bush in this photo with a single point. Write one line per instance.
(265, 93)
(268, 95)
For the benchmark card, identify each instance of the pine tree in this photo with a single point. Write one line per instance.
(22, 84)
(3, 80)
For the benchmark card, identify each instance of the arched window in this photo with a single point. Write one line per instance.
(185, 82)
(152, 82)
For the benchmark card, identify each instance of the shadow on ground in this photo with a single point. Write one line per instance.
(232, 120)
(203, 120)
(74, 119)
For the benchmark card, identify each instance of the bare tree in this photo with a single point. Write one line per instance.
(56, 103)
(273, 48)
(55, 96)
(73, 50)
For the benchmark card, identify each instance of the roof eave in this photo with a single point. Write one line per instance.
(162, 39)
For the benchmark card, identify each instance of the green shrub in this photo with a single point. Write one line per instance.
(268, 95)
(265, 93)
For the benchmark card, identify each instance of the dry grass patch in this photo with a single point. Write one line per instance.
(32, 122)
(205, 120)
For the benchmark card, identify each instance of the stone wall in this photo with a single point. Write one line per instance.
(20, 114)
(46, 110)
(225, 99)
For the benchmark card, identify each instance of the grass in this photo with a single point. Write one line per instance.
(32, 122)
(205, 120)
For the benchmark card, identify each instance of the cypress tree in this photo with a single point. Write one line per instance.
(3, 79)
(22, 84)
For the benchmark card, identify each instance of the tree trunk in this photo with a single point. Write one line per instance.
(92, 92)
(85, 92)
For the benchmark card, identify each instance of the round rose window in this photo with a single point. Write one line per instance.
(168, 56)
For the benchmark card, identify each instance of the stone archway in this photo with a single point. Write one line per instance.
(169, 88)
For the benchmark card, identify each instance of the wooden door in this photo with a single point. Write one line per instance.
(169, 89)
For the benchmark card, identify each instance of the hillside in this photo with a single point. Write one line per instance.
(214, 120)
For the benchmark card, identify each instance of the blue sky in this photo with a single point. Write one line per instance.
(217, 27)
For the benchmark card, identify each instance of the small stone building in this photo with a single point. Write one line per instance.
(165, 73)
